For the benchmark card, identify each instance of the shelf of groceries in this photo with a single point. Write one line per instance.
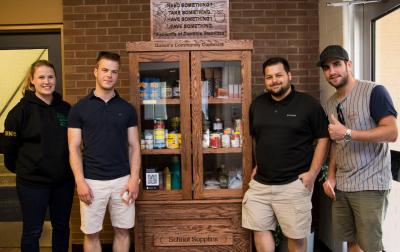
(167, 140)
(176, 101)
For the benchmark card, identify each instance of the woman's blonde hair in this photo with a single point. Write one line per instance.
(27, 82)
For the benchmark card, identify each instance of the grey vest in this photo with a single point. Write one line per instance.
(360, 165)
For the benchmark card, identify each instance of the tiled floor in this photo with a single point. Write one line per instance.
(18, 250)
(10, 237)
(106, 248)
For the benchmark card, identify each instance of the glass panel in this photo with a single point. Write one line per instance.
(222, 124)
(162, 173)
(387, 65)
(387, 54)
(14, 64)
(160, 125)
(223, 171)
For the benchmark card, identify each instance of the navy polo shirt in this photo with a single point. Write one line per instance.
(104, 135)
(284, 132)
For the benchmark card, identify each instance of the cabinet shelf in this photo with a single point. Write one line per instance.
(161, 152)
(175, 101)
(213, 100)
(162, 195)
(222, 193)
(222, 150)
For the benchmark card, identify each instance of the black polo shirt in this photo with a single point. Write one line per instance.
(285, 132)
(105, 136)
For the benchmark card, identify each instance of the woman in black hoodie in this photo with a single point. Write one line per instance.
(35, 148)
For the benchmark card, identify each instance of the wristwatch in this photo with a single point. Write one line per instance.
(347, 136)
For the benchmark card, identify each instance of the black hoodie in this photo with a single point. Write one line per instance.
(35, 140)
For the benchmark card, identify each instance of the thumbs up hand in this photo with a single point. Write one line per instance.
(336, 129)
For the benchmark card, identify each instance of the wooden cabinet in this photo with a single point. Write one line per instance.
(192, 106)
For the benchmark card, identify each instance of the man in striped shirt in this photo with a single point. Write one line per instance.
(362, 122)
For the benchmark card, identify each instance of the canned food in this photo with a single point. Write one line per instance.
(173, 141)
(238, 125)
(228, 131)
(168, 92)
(148, 144)
(159, 138)
(176, 90)
(159, 124)
(163, 87)
(215, 140)
(206, 138)
(235, 140)
(148, 134)
(226, 141)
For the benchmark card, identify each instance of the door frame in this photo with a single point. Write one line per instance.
(56, 56)
(367, 14)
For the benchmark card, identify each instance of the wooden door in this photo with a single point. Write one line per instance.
(153, 75)
(221, 92)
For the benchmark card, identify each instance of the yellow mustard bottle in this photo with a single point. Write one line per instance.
(167, 174)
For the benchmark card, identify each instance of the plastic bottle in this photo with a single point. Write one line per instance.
(167, 174)
(222, 176)
(218, 126)
(159, 134)
(175, 173)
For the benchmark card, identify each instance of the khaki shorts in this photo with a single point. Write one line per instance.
(358, 217)
(289, 205)
(107, 192)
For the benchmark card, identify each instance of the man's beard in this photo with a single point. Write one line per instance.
(282, 91)
(341, 83)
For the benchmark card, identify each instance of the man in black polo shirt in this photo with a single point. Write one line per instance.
(106, 169)
(285, 124)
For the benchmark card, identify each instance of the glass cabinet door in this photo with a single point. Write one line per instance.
(220, 122)
(162, 103)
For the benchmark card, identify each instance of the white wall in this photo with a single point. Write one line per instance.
(330, 32)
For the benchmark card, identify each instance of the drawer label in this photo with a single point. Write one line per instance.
(166, 240)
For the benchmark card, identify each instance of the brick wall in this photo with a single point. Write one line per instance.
(285, 28)
(94, 25)
(280, 28)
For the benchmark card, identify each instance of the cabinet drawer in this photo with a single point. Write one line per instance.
(190, 226)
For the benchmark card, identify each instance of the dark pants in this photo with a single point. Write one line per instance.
(34, 202)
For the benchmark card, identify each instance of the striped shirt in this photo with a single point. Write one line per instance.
(360, 166)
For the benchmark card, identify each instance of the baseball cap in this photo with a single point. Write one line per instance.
(332, 51)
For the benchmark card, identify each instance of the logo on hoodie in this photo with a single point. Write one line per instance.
(62, 120)
(9, 133)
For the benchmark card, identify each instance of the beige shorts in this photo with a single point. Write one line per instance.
(107, 192)
(289, 205)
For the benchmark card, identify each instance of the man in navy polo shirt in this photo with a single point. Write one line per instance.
(104, 150)
(285, 125)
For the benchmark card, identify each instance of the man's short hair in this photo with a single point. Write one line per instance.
(275, 61)
(108, 55)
